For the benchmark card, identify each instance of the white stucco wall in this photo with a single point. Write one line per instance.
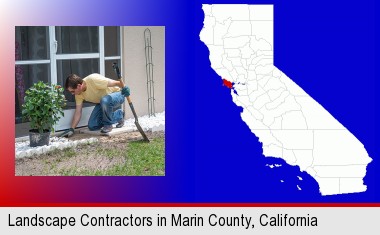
(134, 72)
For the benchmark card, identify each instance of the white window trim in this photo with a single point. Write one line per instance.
(102, 69)
(28, 62)
(53, 50)
(78, 56)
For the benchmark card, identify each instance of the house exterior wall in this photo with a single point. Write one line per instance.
(134, 64)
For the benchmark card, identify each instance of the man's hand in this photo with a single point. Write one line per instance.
(67, 133)
(125, 91)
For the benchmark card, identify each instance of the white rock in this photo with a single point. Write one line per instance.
(154, 123)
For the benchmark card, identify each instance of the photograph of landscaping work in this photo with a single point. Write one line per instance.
(90, 101)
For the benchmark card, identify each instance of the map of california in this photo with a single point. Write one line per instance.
(288, 122)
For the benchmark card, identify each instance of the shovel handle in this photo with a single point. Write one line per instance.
(129, 100)
(121, 82)
(117, 71)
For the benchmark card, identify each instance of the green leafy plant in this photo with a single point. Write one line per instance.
(43, 106)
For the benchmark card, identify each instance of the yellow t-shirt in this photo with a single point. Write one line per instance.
(96, 88)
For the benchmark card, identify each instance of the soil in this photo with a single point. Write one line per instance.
(83, 157)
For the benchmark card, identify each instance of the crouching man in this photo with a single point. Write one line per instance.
(107, 94)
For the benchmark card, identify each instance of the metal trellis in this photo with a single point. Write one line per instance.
(149, 72)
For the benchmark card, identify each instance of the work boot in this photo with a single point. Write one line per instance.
(106, 129)
(120, 123)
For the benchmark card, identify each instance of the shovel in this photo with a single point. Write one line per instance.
(117, 71)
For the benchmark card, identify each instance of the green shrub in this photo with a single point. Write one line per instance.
(43, 106)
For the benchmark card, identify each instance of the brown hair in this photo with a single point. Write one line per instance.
(72, 81)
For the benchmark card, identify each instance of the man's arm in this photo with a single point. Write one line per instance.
(112, 83)
(124, 90)
(76, 118)
(77, 115)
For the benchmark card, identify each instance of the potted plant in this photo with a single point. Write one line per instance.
(43, 107)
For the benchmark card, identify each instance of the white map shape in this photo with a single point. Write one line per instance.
(288, 122)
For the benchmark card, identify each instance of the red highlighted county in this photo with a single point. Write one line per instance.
(227, 83)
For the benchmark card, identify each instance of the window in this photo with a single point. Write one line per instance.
(77, 39)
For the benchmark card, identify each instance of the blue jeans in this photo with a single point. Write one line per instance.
(107, 112)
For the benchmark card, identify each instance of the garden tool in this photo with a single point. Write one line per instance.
(117, 71)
